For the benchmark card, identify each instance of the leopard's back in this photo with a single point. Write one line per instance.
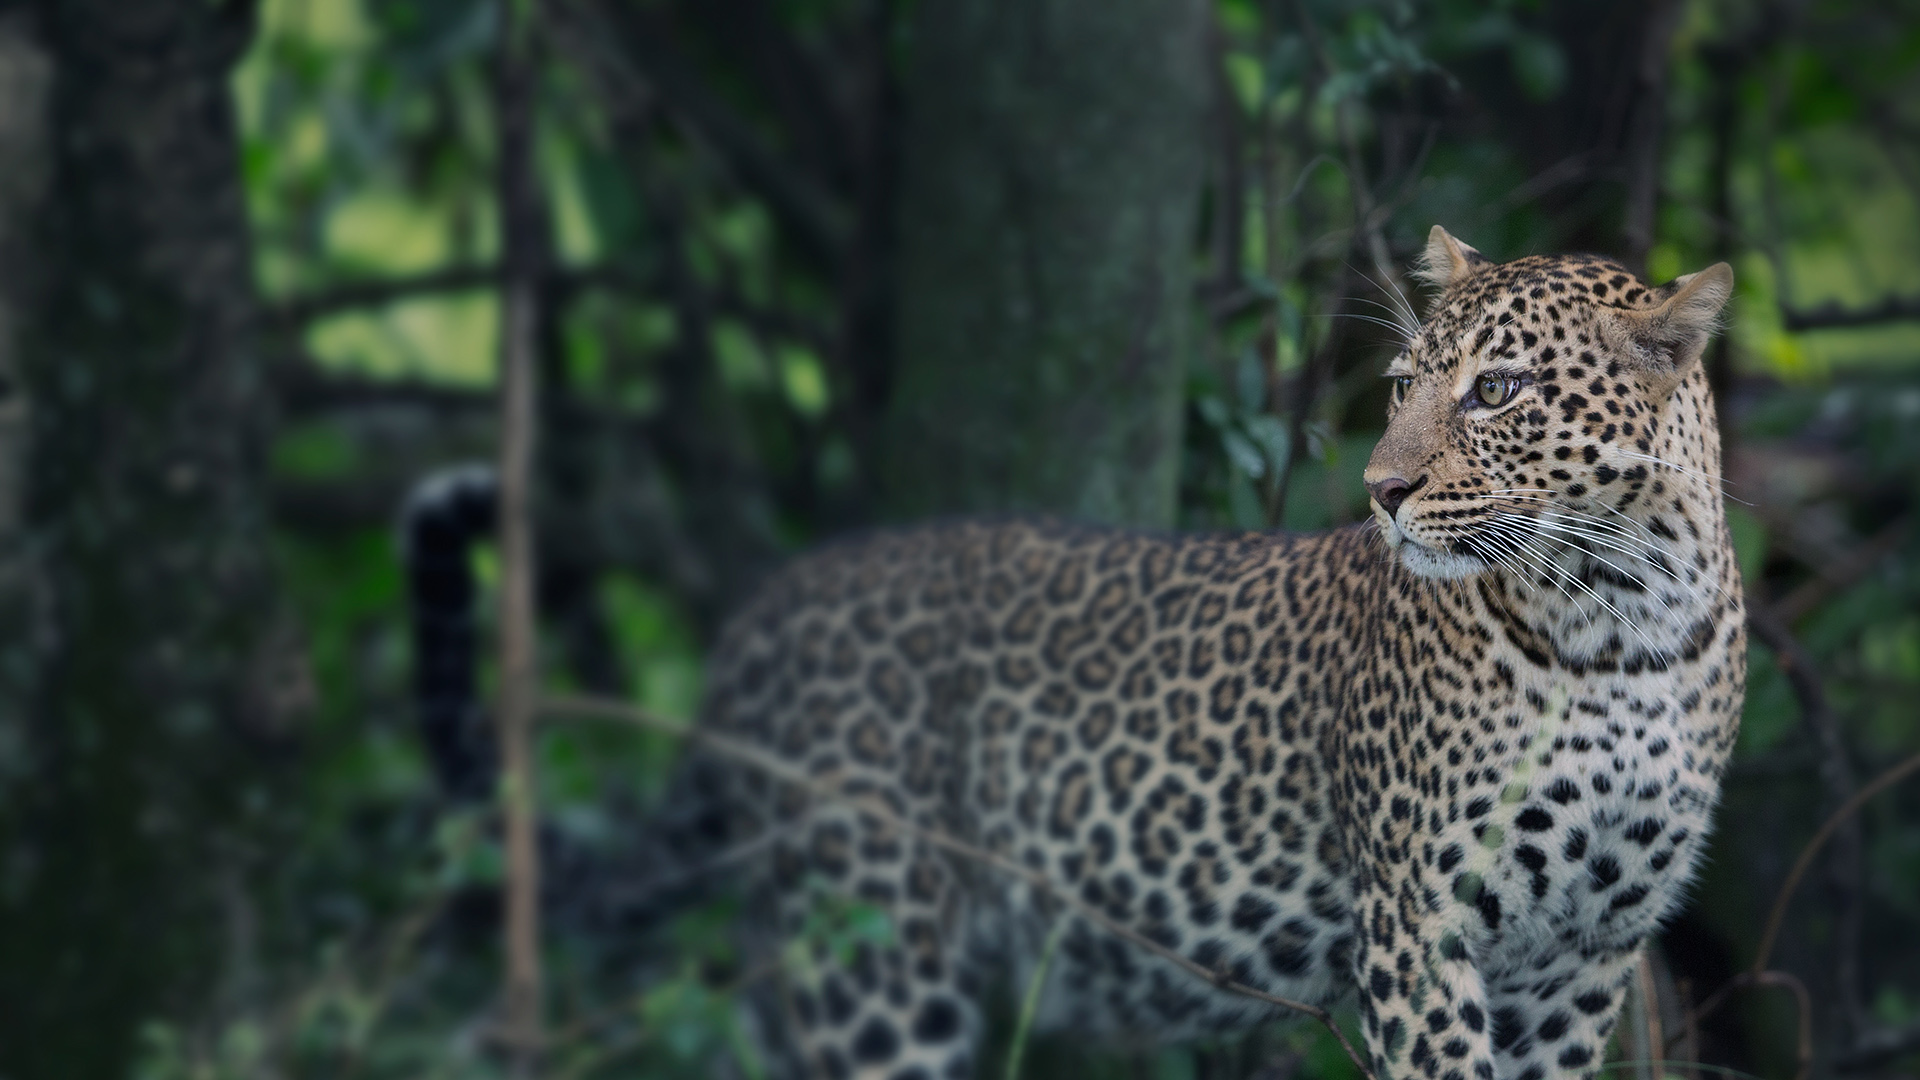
(1135, 715)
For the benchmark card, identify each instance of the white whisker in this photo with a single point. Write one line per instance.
(1646, 548)
(1536, 494)
(1617, 568)
(1395, 327)
(1524, 551)
(1601, 600)
(1719, 483)
(1391, 291)
(1569, 514)
(1399, 319)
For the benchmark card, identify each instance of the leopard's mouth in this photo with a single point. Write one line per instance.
(1444, 563)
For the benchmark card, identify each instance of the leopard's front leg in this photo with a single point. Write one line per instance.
(1551, 1014)
(1422, 998)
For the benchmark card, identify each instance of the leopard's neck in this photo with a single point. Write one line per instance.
(1639, 579)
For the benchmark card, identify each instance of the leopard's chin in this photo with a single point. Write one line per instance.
(1427, 561)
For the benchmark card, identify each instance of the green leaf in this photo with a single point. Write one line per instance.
(1243, 453)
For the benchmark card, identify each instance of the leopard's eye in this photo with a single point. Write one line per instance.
(1496, 390)
(1401, 384)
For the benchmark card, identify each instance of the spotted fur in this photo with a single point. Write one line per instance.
(1456, 762)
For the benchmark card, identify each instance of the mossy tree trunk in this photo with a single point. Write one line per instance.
(1053, 163)
(147, 664)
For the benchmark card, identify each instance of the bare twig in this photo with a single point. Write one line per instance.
(1314, 375)
(757, 759)
(1647, 122)
(1758, 975)
(1689, 1029)
(586, 1025)
(1773, 243)
(1836, 575)
(518, 675)
(1832, 316)
(358, 294)
(1834, 821)
(1847, 867)
(1803, 1003)
(631, 51)
(1230, 181)
(1367, 221)
(1573, 169)
(1650, 1017)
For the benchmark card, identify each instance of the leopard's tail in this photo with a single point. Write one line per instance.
(444, 515)
(664, 861)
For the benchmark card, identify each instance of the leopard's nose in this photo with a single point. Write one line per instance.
(1391, 492)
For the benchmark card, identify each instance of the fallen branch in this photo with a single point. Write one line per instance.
(759, 760)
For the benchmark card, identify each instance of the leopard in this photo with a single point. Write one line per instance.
(1450, 766)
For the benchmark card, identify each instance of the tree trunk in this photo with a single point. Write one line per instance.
(158, 662)
(1053, 166)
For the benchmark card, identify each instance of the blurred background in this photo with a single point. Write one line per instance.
(804, 266)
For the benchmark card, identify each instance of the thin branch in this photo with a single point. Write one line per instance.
(1834, 821)
(563, 281)
(1650, 1017)
(1689, 1033)
(1758, 975)
(1837, 575)
(303, 388)
(375, 292)
(1646, 126)
(1230, 180)
(757, 759)
(1773, 243)
(1831, 316)
(1803, 1003)
(788, 80)
(1575, 168)
(1846, 868)
(584, 1026)
(519, 687)
(629, 53)
(1367, 221)
(1317, 372)
(302, 309)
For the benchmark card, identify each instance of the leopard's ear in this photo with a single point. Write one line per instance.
(1447, 261)
(1669, 338)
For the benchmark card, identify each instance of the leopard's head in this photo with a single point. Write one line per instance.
(1539, 393)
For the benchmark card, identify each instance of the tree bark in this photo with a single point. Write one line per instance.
(25, 76)
(1053, 161)
(158, 662)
